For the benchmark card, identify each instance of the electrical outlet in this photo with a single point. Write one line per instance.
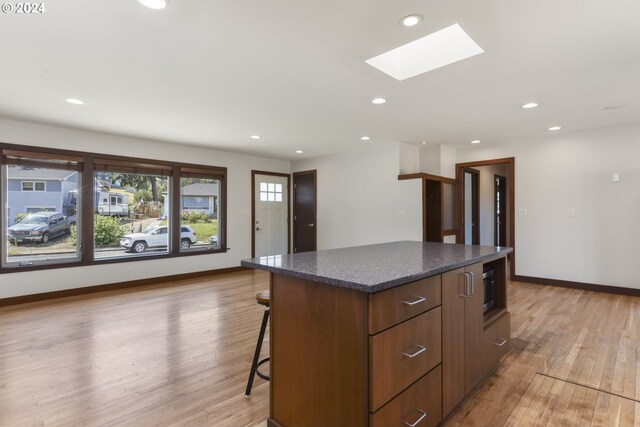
(572, 213)
(402, 214)
(616, 177)
(129, 271)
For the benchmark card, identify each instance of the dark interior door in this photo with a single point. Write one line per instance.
(304, 211)
(500, 210)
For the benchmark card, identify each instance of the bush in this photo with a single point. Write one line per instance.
(107, 230)
(20, 217)
(74, 234)
(194, 218)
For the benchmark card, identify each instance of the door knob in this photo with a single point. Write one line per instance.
(311, 225)
(258, 228)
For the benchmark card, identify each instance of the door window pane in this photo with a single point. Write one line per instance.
(131, 215)
(200, 214)
(41, 215)
(270, 192)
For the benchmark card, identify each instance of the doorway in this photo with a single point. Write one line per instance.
(496, 196)
(304, 211)
(270, 208)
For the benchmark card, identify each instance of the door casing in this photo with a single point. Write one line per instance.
(511, 232)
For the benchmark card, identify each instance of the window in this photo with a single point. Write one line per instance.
(33, 186)
(41, 223)
(131, 213)
(270, 192)
(132, 208)
(199, 213)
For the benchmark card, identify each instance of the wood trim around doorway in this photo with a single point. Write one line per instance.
(511, 230)
(253, 207)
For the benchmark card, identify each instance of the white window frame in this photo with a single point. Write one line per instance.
(33, 183)
(55, 208)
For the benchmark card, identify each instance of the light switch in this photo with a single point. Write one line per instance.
(616, 177)
(402, 214)
(522, 212)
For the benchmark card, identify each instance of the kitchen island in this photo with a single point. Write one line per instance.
(390, 334)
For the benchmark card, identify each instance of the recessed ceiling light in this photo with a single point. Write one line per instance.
(255, 137)
(555, 128)
(154, 4)
(365, 138)
(476, 141)
(378, 101)
(411, 20)
(424, 142)
(529, 105)
(433, 51)
(75, 101)
(299, 151)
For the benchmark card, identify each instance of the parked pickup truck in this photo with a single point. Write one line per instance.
(40, 227)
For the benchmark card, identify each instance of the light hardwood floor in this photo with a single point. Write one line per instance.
(179, 354)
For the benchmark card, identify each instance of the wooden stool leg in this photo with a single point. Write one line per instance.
(254, 365)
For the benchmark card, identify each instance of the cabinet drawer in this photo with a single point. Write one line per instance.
(420, 404)
(496, 341)
(395, 305)
(402, 354)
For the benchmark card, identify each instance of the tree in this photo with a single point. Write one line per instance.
(139, 182)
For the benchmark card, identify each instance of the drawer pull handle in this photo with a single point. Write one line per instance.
(418, 300)
(500, 342)
(412, 355)
(416, 422)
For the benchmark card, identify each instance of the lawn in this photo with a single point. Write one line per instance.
(204, 231)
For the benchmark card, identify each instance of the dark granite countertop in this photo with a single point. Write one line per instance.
(374, 268)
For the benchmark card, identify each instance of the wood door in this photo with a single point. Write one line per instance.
(453, 340)
(500, 209)
(304, 211)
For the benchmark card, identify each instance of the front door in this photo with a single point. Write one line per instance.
(304, 211)
(270, 219)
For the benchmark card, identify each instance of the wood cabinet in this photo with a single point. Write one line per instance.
(462, 326)
(403, 356)
(473, 342)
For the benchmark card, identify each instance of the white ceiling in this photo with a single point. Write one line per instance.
(213, 73)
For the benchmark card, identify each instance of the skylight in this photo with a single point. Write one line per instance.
(436, 50)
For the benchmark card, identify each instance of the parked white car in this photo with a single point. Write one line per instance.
(157, 237)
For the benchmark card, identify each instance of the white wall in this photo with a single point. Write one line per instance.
(438, 160)
(361, 201)
(601, 244)
(238, 206)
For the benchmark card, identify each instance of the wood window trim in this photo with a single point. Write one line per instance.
(85, 163)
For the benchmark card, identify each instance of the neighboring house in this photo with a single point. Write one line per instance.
(201, 198)
(34, 190)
